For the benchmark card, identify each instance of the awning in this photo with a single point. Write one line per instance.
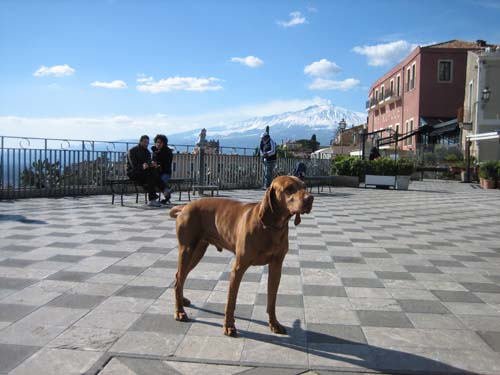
(484, 136)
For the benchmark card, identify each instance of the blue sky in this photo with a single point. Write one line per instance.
(104, 68)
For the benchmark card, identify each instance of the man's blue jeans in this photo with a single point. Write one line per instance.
(268, 172)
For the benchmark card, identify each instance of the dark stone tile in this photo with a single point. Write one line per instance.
(66, 258)
(135, 291)
(342, 259)
(441, 243)
(60, 234)
(482, 287)
(389, 275)
(422, 269)
(375, 255)
(362, 282)
(285, 300)
(112, 254)
(20, 248)
(335, 334)
(305, 246)
(165, 264)
(446, 263)
(76, 301)
(13, 355)
(339, 243)
(393, 319)
(494, 278)
(313, 264)
(103, 241)
(200, 284)
(216, 259)
(295, 271)
(64, 245)
(362, 240)
(16, 263)
(492, 339)
(418, 246)
(467, 258)
(71, 276)
(12, 312)
(399, 250)
(124, 270)
(485, 254)
(160, 323)
(248, 276)
(456, 296)
(217, 310)
(138, 239)
(422, 306)
(21, 237)
(324, 290)
(11, 283)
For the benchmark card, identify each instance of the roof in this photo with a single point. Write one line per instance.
(460, 44)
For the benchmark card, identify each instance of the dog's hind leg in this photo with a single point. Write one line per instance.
(189, 256)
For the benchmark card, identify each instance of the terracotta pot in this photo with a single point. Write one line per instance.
(487, 184)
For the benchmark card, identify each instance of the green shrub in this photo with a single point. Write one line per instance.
(406, 167)
(489, 170)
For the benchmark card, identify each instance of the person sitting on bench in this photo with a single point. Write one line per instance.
(300, 170)
(162, 155)
(142, 170)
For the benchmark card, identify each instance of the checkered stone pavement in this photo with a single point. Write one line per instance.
(375, 280)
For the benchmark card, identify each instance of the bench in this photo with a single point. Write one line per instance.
(431, 169)
(200, 188)
(319, 181)
(124, 182)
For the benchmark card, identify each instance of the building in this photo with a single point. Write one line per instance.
(421, 96)
(482, 102)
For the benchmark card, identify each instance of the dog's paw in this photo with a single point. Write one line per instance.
(230, 331)
(277, 328)
(181, 316)
(186, 302)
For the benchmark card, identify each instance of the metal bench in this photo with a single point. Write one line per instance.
(319, 181)
(123, 183)
(201, 188)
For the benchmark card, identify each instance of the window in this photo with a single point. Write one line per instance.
(445, 70)
(398, 85)
(413, 76)
(469, 102)
(376, 95)
(408, 77)
(382, 92)
(391, 88)
(397, 128)
(410, 139)
(406, 131)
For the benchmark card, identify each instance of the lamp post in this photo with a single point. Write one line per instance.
(362, 135)
(342, 126)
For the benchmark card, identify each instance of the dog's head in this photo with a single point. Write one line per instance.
(287, 196)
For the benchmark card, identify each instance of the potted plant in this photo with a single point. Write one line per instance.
(488, 174)
(405, 168)
(381, 172)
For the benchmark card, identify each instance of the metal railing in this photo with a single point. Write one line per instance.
(37, 167)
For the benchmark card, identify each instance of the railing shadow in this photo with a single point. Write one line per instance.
(20, 219)
(343, 350)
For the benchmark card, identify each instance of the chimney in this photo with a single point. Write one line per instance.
(481, 43)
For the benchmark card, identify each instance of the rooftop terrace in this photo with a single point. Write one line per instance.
(375, 280)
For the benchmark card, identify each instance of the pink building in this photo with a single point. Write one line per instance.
(424, 91)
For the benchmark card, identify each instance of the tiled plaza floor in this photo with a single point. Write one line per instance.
(375, 280)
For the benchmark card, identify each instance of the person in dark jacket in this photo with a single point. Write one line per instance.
(268, 152)
(141, 169)
(162, 156)
(374, 154)
(300, 170)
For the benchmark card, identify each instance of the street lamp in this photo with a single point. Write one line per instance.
(485, 94)
(342, 126)
(362, 135)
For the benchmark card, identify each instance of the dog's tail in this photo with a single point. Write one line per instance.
(175, 211)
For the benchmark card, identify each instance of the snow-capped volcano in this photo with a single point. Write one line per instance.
(321, 119)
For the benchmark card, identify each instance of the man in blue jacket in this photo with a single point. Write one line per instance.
(268, 154)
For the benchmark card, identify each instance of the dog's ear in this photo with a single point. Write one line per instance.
(267, 211)
(297, 219)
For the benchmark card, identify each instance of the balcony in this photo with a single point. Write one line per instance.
(410, 85)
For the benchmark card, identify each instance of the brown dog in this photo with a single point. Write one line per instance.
(257, 233)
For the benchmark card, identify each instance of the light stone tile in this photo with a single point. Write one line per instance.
(438, 321)
(126, 304)
(222, 348)
(352, 357)
(86, 338)
(95, 289)
(31, 296)
(375, 304)
(367, 292)
(205, 369)
(273, 352)
(150, 343)
(115, 320)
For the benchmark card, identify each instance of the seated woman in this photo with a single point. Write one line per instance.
(162, 156)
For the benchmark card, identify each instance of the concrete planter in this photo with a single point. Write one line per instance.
(346, 181)
(383, 181)
(402, 182)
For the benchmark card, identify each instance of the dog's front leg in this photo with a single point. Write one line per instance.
(273, 283)
(237, 272)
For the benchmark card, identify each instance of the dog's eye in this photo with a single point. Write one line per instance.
(291, 189)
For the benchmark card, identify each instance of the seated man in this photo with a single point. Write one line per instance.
(141, 169)
(162, 156)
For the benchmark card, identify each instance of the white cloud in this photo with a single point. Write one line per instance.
(117, 84)
(56, 70)
(322, 68)
(312, 9)
(250, 61)
(296, 18)
(328, 84)
(387, 53)
(148, 84)
(109, 128)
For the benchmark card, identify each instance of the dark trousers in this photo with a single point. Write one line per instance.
(150, 180)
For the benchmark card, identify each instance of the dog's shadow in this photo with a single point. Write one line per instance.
(353, 353)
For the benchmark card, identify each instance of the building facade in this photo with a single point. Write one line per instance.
(422, 95)
(482, 102)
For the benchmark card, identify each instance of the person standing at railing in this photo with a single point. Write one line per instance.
(268, 154)
(162, 156)
(141, 169)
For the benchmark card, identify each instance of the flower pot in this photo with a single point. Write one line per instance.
(487, 184)
(402, 182)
